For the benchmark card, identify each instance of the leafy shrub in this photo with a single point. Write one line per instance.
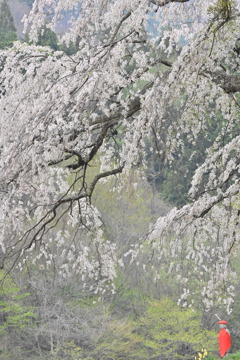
(173, 332)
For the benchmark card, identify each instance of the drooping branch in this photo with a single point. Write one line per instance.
(35, 234)
(125, 17)
(104, 175)
(215, 200)
(95, 147)
(229, 83)
(63, 112)
(105, 123)
(165, 2)
(134, 107)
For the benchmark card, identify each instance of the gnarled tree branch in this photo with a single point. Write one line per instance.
(229, 83)
(165, 2)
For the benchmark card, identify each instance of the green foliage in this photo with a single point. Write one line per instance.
(72, 351)
(7, 29)
(69, 49)
(119, 342)
(13, 313)
(7, 39)
(164, 331)
(222, 9)
(173, 181)
(173, 332)
(125, 214)
(6, 19)
(67, 351)
(128, 300)
(235, 356)
(47, 37)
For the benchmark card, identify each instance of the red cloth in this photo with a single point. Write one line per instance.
(225, 342)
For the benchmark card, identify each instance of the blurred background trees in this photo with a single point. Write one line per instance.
(7, 28)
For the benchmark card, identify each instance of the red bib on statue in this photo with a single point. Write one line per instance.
(225, 342)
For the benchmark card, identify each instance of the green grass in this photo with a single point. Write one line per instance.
(235, 356)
